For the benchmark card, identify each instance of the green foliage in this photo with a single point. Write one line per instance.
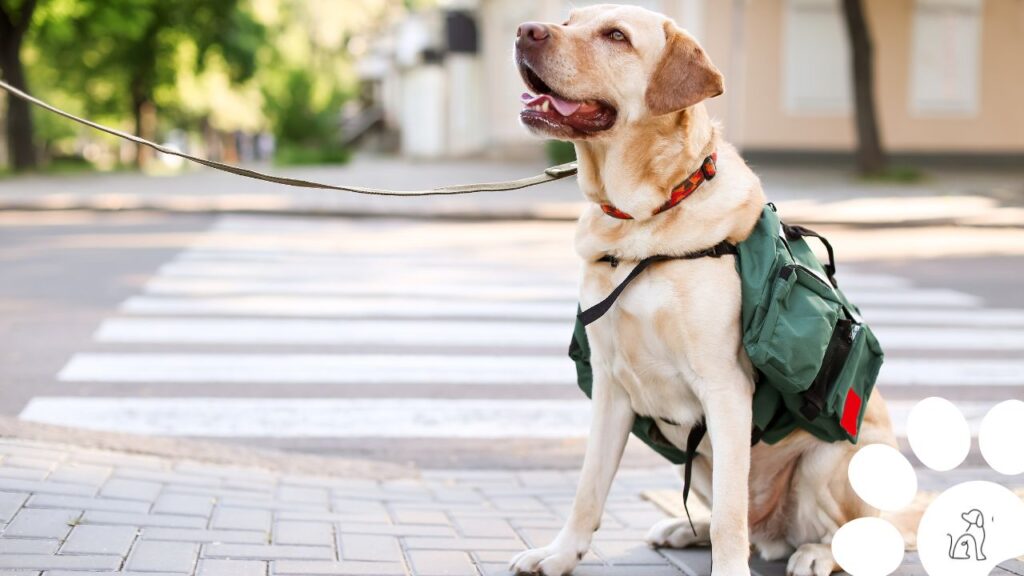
(305, 123)
(68, 165)
(120, 53)
(297, 155)
(560, 152)
(220, 64)
(895, 175)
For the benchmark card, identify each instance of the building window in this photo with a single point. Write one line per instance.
(816, 66)
(946, 50)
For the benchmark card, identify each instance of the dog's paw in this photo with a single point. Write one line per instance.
(774, 550)
(550, 560)
(812, 560)
(677, 533)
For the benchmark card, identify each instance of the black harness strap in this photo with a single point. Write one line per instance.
(595, 312)
(693, 441)
(601, 308)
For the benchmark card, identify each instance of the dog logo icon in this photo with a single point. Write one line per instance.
(971, 543)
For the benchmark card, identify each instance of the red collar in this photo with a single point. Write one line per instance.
(706, 171)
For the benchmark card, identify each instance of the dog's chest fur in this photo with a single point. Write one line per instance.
(658, 338)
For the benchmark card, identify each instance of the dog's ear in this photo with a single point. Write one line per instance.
(683, 77)
(974, 517)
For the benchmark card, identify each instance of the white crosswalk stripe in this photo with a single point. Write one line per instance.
(552, 336)
(285, 302)
(191, 287)
(449, 369)
(319, 417)
(320, 307)
(377, 332)
(318, 369)
(352, 417)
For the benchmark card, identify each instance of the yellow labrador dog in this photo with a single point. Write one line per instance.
(626, 85)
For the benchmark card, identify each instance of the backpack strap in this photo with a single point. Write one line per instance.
(793, 232)
(598, 310)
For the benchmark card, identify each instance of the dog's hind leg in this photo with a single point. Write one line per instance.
(609, 429)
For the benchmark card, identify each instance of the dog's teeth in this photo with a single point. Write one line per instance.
(545, 106)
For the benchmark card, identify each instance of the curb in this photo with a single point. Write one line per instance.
(211, 452)
(544, 212)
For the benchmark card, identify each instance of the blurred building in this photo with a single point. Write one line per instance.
(950, 77)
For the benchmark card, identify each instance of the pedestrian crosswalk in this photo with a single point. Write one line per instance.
(430, 330)
(327, 369)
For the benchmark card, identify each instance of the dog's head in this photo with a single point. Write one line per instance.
(608, 66)
(974, 517)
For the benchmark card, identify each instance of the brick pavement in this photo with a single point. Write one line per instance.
(68, 511)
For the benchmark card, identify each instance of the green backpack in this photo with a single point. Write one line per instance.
(815, 359)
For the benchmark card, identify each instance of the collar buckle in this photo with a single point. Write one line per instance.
(707, 171)
(710, 168)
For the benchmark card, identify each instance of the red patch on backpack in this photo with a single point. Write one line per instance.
(851, 412)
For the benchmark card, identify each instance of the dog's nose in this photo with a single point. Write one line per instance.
(532, 32)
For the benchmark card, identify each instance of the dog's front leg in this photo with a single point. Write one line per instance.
(609, 430)
(729, 418)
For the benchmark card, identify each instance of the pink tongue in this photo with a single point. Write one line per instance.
(563, 107)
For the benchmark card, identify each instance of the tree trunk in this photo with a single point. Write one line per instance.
(145, 127)
(870, 156)
(19, 117)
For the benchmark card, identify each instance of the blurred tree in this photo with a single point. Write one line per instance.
(871, 158)
(306, 125)
(309, 76)
(15, 19)
(121, 54)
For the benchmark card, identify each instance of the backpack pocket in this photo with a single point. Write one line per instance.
(798, 321)
(845, 391)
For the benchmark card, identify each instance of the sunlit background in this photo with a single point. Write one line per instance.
(311, 81)
(161, 298)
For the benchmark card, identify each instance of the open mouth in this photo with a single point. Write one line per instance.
(560, 116)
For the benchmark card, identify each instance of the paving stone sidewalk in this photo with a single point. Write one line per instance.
(68, 511)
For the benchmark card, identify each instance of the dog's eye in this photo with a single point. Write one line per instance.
(617, 35)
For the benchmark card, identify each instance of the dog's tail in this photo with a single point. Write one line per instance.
(908, 519)
(951, 545)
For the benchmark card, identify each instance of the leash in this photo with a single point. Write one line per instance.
(549, 175)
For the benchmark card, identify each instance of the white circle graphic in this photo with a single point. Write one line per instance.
(969, 529)
(1000, 435)
(939, 434)
(882, 477)
(868, 547)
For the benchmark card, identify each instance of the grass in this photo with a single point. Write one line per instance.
(68, 165)
(60, 165)
(296, 155)
(895, 175)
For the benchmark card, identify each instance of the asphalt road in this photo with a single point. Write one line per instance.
(440, 343)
